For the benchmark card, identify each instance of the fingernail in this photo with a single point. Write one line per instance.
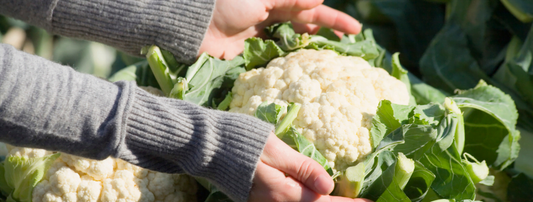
(324, 184)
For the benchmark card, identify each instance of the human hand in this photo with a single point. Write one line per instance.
(306, 180)
(234, 21)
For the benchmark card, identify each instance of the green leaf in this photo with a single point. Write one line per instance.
(270, 113)
(380, 160)
(403, 171)
(521, 9)
(452, 179)
(139, 72)
(208, 78)
(401, 74)
(517, 71)
(418, 139)
(448, 64)
(523, 163)
(430, 114)
(287, 38)
(366, 49)
(22, 174)
(389, 117)
(424, 93)
(328, 34)
(450, 61)
(224, 105)
(308, 149)
(5, 189)
(413, 25)
(257, 53)
(380, 177)
(420, 183)
(489, 111)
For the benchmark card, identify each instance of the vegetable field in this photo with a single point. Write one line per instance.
(432, 101)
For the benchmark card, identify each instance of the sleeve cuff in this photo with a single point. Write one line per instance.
(170, 135)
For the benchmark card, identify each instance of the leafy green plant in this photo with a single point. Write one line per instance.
(436, 147)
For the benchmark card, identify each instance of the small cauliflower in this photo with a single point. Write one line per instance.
(339, 96)
(77, 179)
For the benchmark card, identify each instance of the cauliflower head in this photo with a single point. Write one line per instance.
(339, 96)
(77, 179)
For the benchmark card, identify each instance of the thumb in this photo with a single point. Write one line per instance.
(302, 168)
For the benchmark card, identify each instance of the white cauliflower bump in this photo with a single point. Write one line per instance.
(76, 179)
(339, 97)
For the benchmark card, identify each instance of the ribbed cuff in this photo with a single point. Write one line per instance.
(178, 26)
(170, 135)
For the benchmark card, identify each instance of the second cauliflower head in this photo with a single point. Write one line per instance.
(339, 96)
(76, 179)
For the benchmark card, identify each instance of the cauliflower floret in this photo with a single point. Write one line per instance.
(76, 179)
(27, 152)
(161, 184)
(89, 190)
(99, 170)
(61, 186)
(339, 96)
(122, 187)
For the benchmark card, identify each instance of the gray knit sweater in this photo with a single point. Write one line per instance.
(50, 106)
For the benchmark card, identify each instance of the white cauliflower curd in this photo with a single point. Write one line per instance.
(339, 96)
(76, 179)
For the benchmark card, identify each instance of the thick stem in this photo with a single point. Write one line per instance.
(160, 69)
(284, 125)
(459, 138)
(404, 169)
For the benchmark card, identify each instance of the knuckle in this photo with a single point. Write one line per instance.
(306, 169)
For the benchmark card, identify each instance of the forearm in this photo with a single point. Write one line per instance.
(46, 105)
(175, 25)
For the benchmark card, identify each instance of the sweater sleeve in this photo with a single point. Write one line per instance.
(50, 106)
(174, 25)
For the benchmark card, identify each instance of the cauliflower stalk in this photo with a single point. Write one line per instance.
(71, 178)
(338, 94)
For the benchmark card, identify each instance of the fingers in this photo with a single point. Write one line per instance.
(322, 16)
(304, 169)
(291, 5)
(272, 185)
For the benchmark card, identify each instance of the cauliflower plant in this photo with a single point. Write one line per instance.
(339, 96)
(73, 178)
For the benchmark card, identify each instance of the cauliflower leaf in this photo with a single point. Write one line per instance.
(22, 174)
